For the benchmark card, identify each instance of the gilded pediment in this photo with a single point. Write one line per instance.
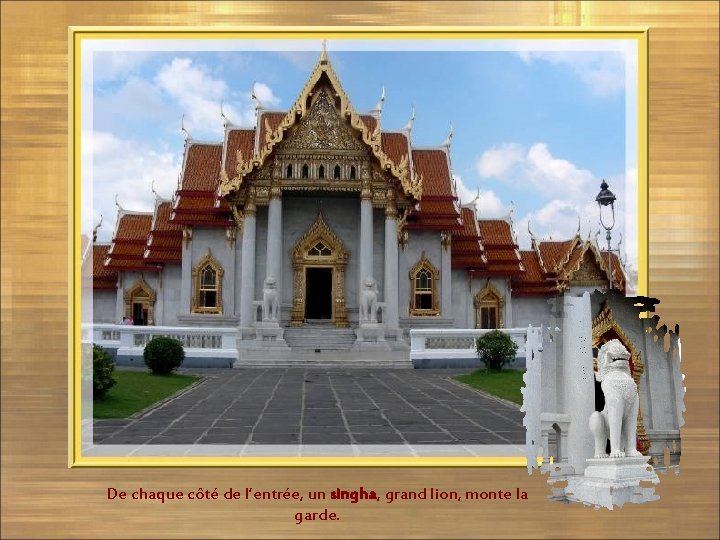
(589, 272)
(323, 128)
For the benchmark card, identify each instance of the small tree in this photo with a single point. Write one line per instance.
(496, 349)
(163, 354)
(103, 367)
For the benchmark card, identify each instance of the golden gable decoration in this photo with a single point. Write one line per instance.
(411, 186)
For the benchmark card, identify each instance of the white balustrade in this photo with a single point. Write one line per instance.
(441, 343)
(131, 340)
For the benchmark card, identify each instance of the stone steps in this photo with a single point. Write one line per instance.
(324, 338)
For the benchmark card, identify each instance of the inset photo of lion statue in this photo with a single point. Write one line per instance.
(603, 399)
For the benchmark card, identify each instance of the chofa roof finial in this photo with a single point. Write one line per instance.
(411, 121)
(532, 236)
(222, 115)
(254, 97)
(323, 52)
(120, 208)
(95, 229)
(448, 140)
(379, 104)
(186, 133)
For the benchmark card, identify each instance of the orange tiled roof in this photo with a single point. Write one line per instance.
(467, 248)
(202, 167)
(273, 118)
(238, 139)
(496, 232)
(618, 272)
(197, 201)
(500, 247)
(433, 165)
(128, 245)
(164, 244)
(370, 122)
(438, 206)
(395, 146)
(555, 253)
(104, 278)
(533, 281)
(542, 281)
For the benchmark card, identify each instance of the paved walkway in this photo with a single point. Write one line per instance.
(322, 406)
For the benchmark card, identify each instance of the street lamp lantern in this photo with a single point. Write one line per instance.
(607, 198)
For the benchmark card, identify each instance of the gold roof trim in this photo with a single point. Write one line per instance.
(412, 186)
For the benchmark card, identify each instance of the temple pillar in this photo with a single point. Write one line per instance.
(445, 275)
(366, 236)
(390, 281)
(274, 238)
(247, 278)
(186, 273)
(578, 379)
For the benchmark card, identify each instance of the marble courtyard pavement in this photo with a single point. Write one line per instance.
(322, 406)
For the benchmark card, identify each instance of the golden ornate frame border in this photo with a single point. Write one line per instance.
(76, 35)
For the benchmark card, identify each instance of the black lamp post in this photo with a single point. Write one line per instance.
(607, 198)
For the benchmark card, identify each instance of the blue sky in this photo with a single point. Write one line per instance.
(535, 128)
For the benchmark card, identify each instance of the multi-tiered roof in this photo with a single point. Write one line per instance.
(212, 173)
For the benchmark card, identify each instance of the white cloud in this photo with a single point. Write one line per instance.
(136, 99)
(117, 65)
(198, 95)
(488, 204)
(549, 175)
(499, 159)
(602, 72)
(560, 195)
(126, 168)
(558, 220)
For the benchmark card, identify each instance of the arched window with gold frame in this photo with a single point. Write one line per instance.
(489, 308)
(424, 298)
(207, 285)
(140, 303)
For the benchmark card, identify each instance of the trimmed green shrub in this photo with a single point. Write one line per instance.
(163, 354)
(496, 349)
(103, 367)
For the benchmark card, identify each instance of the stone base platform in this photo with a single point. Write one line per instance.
(392, 359)
(609, 482)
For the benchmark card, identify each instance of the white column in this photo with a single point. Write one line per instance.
(508, 320)
(186, 272)
(391, 268)
(578, 378)
(274, 239)
(446, 310)
(247, 279)
(366, 237)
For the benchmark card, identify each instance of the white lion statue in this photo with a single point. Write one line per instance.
(271, 302)
(618, 420)
(368, 301)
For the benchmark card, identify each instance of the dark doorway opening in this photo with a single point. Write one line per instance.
(318, 293)
(140, 314)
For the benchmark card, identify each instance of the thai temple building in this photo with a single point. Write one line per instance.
(316, 223)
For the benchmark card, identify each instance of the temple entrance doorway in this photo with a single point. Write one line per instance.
(319, 260)
(318, 293)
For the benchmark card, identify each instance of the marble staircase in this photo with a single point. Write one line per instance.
(320, 344)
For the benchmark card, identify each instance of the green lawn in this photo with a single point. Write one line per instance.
(505, 384)
(137, 390)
